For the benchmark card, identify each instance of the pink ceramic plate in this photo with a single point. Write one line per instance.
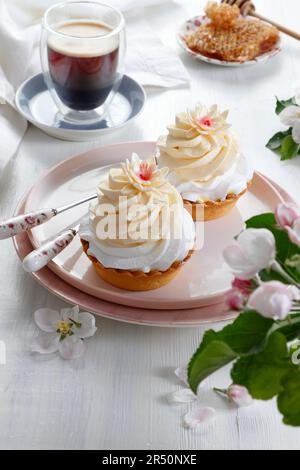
(168, 318)
(204, 278)
(176, 318)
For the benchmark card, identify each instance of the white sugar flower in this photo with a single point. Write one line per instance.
(290, 116)
(64, 331)
(143, 175)
(208, 121)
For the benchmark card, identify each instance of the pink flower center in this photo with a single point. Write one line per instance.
(146, 171)
(206, 121)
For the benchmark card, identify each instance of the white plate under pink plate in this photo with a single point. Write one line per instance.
(166, 318)
(204, 278)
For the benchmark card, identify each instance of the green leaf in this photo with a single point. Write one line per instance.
(282, 104)
(285, 248)
(275, 142)
(246, 334)
(289, 149)
(215, 356)
(262, 373)
(266, 220)
(288, 400)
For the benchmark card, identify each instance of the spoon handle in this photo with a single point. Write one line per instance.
(21, 223)
(40, 257)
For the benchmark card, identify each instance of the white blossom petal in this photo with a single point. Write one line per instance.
(184, 395)
(182, 373)
(46, 343)
(259, 246)
(297, 96)
(290, 115)
(71, 347)
(253, 251)
(198, 416)
(46, 319)
(88, 327)
(237, 260)
(296, 132)
(67, 313)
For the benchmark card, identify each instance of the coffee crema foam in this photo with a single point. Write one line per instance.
(82, 39)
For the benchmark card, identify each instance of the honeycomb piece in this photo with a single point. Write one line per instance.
(222, 16)
(233, 38)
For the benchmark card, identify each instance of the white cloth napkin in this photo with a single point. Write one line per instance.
(150, 63)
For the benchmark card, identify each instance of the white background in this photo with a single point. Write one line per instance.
(114, 397)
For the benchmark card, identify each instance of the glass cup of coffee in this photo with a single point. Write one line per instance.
(82, 54)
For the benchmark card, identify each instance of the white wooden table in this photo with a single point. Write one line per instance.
(114, 397)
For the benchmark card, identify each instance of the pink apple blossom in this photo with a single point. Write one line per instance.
(294, 232)
(235, 299)
(286, 214)
(245, 286)
(239, 395)
(273, 299)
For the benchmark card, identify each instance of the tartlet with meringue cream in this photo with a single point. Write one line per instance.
(205, 162)
(138, 233)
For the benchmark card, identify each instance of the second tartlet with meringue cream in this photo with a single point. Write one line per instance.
(138, 233)
(205, 162)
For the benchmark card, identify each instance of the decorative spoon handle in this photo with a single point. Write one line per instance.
(40, 257)
(21, 223)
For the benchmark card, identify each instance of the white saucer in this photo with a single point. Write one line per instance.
(34, 102)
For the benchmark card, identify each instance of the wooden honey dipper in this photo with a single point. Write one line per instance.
(248, 8)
